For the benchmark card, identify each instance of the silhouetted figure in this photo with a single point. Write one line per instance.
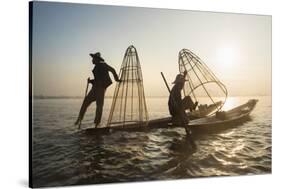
(99, 84)
(177, 105)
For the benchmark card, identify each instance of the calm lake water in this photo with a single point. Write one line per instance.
(64, 156)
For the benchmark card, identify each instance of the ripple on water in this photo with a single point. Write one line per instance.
(63, 156)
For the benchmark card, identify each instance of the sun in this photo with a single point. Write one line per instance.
(226, 56)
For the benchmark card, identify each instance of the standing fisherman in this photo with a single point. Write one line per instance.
(99, 84)
(177, 107)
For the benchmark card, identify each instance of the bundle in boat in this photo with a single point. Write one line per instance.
(202, 85)
(128, 105)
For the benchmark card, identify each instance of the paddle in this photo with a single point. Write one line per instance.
(183, 122)
(88, 81)
(86, 92)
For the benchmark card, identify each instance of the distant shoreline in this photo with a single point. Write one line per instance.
(79, 97)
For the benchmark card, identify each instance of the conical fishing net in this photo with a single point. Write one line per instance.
(128, 105)
(202, 85)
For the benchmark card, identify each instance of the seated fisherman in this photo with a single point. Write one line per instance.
(177, 105)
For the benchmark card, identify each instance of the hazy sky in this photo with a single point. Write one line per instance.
(236, 47)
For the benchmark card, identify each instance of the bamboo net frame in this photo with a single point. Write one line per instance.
(201, 80)
(128, 104)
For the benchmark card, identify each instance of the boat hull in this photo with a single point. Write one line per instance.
(207, 124)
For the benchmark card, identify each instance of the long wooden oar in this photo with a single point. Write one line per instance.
(86, 92)
(183, 122)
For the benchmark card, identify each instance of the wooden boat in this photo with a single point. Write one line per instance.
(228, 119)
(218, 121)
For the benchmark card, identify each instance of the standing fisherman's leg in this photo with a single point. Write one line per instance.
(87, 101)
(99, 108)
(188, 132)
(189, 137)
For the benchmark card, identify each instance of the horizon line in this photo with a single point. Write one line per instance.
(152, 96)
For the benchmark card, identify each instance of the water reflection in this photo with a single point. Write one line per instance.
(62, 157)
(238, 146)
